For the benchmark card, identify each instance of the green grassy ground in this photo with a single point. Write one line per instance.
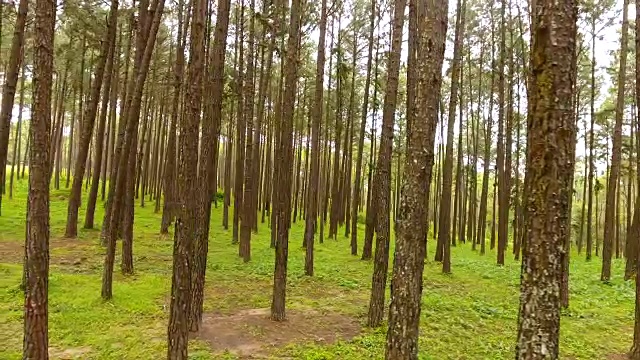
(471, 314)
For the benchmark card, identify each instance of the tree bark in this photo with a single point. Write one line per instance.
(408, 266)
(616, 158)
(444, 228)
(285, 155)
(36, 336)
(109, 76)
(87, 125)
(211, 131)
(169, 208)
(383, 170)
(551, 137)
(186, 218)
(9, 88)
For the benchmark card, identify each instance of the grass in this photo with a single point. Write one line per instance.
(470, 314)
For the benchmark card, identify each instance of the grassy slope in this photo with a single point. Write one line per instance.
(471, 314)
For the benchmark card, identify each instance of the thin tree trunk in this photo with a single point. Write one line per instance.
(170, 197)
(87, 126)
(611, 206)
(383, 170)
(444, 227)
(18, 137)
(109, 76)
(9, 88)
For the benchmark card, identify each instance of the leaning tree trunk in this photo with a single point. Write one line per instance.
(109, 76)
(134, 102)
(88, 121)
(9, 89)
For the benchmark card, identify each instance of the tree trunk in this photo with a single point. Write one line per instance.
(501, 173)
(616, 158)
(9, 88)
(247, 211)
(211, 131)
(410, 251)
(363, 124)
(591, 143)
(186, 218)
(146, 42)
(241, 129)
(109, 76)
(551, 138)
(87, 125)
(285, 156)
(383, 170)
(312, 207)
(18, 137)
(170, 199)
(444, 227)
(36, 335)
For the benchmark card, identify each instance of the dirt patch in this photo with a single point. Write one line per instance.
(69, 252)
(11, 252)
(251, 334)
(617, 357)
(69, 353)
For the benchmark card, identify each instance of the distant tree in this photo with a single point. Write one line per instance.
(9, 89)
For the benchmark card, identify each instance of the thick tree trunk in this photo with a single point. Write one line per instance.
(211, 131)
(551, 138)
(186, 218)
(285, 152)
(408, 265)
(36, 335)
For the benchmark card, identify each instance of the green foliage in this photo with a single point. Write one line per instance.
(470, 314)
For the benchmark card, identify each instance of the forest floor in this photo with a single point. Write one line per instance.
(470, 314)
